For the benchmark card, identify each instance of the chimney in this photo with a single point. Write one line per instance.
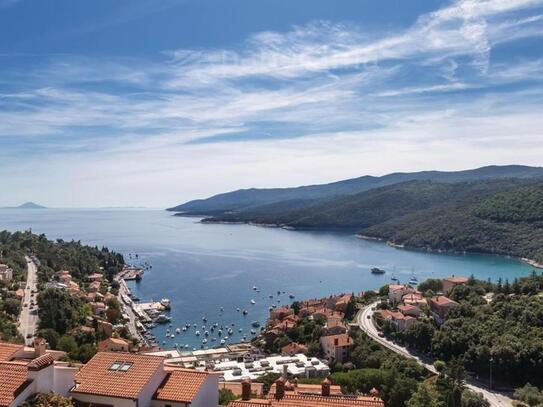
(280, 388)
(40, 347)
(285, 372)
(325, 385)
(246, 389)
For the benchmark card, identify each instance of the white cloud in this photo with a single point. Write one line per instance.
(319, 103)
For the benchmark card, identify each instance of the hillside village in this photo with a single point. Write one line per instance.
(84, 350)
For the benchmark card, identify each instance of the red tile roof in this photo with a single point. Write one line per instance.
(96, 377)
(7, 350)
(41, 362)
(14, 379)
(456, 279)
(310, 400)
(181, 385)
(343, 340)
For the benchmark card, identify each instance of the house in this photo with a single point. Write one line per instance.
(25, 371)
(293, 348)
(95, 277)
(410, 310)
(450, 282)
(98, 307)
(281, 313)
(289, 395)
(400, 321)
(397, 291)
(114, 345)
(440, 306)
(6, 273)
(104, 327)
(336, 348)
(95, 286)
(127, 379)
(415, 298)
(343, 302)
(334, 326)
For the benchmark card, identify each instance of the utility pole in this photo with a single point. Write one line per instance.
(491, 361)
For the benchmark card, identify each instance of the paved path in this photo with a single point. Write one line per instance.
(28, 321)
(365, 322)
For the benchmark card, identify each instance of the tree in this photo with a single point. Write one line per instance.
(472, 399)
(50, 335)
(226, 396)
(530, 395)
(49, 400)
(68, 344)
(12, 306)
(425, 396)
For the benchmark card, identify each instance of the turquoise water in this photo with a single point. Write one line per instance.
(204, 267)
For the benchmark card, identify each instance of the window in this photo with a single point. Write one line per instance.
(125, 367)
(120, 366)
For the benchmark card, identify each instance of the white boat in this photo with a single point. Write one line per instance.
(253, 302)
(165, 302)
(197, 333)
(178, 331)
(223, 341)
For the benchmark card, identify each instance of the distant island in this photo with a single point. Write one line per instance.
(26, 205)
(497, 209)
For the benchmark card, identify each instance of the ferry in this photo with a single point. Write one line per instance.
(377, 270)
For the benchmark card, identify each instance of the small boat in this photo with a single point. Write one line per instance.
(204, 319)
(253, 302)
(178, 331)
(223, 341)
(165, 302)
(197, 333)
(413, 281)
(377, 270)
(237, 309)
(172, 336)
(204, 341)
(291, 296)
(255, 287)
(245, 312)
(255, 324)
(162, 319)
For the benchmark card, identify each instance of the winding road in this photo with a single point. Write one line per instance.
(364, 319)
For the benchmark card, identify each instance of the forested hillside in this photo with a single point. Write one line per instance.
(502, 216)
(292, 198)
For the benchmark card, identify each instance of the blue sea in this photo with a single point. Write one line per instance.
(203, 267)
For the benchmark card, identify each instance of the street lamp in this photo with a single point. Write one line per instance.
(491, 361)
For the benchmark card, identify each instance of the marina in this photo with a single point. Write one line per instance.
(214, 271)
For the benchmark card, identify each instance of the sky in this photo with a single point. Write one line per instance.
(153, 103)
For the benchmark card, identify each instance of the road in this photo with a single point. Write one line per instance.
(28, 321)
(123, 290)
(365, 322)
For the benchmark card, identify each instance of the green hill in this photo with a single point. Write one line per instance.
(304, 196)
(502, 216)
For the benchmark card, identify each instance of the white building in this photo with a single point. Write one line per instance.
(298, 365)
(26, 371)
(6, 274)
(135, 380)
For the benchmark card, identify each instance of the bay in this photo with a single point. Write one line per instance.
(202, 267)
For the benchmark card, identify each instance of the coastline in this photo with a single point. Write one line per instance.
(526, 260)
